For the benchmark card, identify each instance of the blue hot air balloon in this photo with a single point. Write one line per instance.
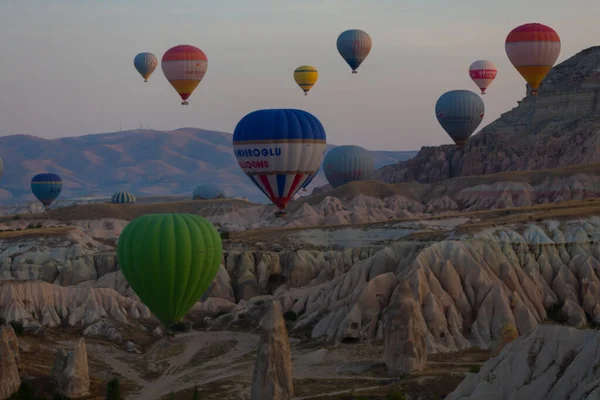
(145, 64)
(279, 150)
(459, 112)
(345, 164)
(122, 198)
(46, 187)
(208, 191)
(354, 46)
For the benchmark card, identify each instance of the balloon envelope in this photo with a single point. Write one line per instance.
(483, 73)
(354, 46)
(533, 49)
(122, 198)
(305, 77)
(46, 187)
(169, 260)
(208, 191)
(184, 67)
(459, 112)
(345, 164)
(279, 150)
(145, 64)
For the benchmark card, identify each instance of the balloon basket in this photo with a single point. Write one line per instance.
(280, 214)
(184, 103)
(145, 80)
(305, 190)
(355, 72)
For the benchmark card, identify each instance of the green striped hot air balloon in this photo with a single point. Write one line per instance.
(169, 260)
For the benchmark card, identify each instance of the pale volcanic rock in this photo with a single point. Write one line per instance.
(272, 379)
(70, 371)
(50, 305)
(9, 362)
(549, 363)
(404, 333)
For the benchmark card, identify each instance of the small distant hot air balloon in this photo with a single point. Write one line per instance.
(354, 46)
(306, 76)
(1, 167)
(459, 112)
(145, 64)
(184, 67)
(344, 164)
(208, 191)
(483, 73)
(46, 187)
(279, 150)
(122, 198)
(533, 49)
(169, 260)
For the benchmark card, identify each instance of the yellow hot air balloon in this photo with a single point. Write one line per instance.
(306, 76)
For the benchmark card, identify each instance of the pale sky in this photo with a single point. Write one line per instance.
(66, 66)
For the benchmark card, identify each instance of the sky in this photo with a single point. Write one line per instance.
(67, 65)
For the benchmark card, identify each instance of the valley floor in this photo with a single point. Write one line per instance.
(221, 364)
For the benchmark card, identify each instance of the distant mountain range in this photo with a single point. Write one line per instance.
(145, 162)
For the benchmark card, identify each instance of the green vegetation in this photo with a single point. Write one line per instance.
(395, 396)
(196, 395)
(290, 316)
(225, 235)
(18, 327)
(474, 369)
(113, 390)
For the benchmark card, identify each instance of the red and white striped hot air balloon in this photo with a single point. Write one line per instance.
(483, 73)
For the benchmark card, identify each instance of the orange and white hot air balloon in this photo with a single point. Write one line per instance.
(184, 67)
(533, 49)
(483, 73)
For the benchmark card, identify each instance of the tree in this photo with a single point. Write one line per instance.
(196, 394)
(113, 391)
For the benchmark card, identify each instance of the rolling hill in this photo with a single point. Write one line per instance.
(145, 162)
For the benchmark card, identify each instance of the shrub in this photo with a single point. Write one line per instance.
(196, 395)
(18, 327)
(25, 392)
(474, 369)
(395, 396)
(179, 327)
(290, 316)
(225, 235)
(113, 390)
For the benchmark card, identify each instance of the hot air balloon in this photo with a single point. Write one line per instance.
(184, 67)
(306, 76)
(46, 187)
(345, 164)
(279, 150)
(169, 260)
(354, 46)
(122, 198)
(1, 167)
(208, 191)
(459, 112)
(145, 63)
(533, 49)
(483, 73)
(308, 181)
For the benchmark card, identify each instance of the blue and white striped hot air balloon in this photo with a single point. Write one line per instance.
(122, 198)
(46, 187)
(279, 150)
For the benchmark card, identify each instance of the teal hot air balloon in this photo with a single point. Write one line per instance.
(354, 46)
(46, 187)
(122, 198)
(459, 112)
(208, 191)
(345, 164)
(169, 260)
(145, 64)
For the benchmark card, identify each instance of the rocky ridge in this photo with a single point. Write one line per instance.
(556, 128)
